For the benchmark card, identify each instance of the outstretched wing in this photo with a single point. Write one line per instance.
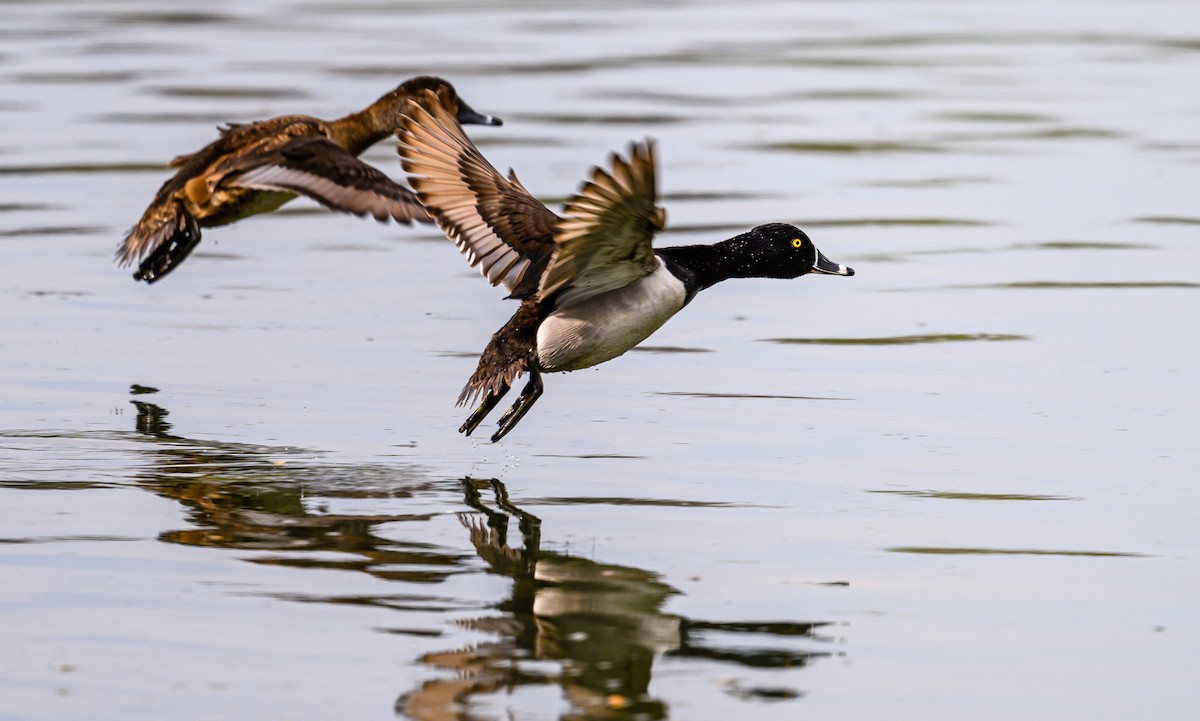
(605, 240)
(317, 167)
(493, 220)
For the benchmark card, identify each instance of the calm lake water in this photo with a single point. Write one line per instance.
(959, 485)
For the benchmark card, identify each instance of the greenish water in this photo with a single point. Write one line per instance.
(240, 493)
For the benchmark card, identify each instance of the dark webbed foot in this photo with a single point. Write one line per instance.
(489, 402)
(170, 253)
(511, 353)
(529, 395)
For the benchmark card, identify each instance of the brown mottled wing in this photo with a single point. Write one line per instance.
(317, 167)
(493, 220)
(605, 240)
(237, 138)
(166, 215)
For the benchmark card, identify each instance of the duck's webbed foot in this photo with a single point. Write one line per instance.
(490, 400)
(172, 251)
(529, 395)
(511, 353)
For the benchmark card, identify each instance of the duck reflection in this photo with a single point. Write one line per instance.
(591, 629)
(603, 624)
(270, 499)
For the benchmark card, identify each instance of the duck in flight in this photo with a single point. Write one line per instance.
(590, 285)
(256, 167)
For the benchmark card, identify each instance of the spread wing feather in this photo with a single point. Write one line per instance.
(317, 167)
(605, 240)
(496, 224)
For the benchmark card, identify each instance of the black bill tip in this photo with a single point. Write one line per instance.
(828, 267)
(468, 116)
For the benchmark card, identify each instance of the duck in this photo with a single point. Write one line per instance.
(590, 284)
(255, 168)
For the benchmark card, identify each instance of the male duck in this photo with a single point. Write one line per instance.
(257, 167)
(590, 284)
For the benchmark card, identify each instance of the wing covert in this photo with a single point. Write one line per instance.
(606, 239)
(317, 167)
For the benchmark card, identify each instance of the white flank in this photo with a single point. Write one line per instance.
(605, 326)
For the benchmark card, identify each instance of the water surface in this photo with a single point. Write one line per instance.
(957, 485)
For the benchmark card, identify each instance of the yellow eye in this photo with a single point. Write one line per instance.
(797, 243)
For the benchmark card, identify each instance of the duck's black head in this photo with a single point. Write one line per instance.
(779, 250)
(446, 94)
(775, 250)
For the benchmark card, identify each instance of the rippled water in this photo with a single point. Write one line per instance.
(960, 484)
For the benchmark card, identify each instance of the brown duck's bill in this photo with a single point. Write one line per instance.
(468, 116)
(828, 267)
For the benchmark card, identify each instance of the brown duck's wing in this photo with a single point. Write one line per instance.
(493, 220)
(605, 240)
(225, 143)
(315, 166)
(168, 215)
(237, 138)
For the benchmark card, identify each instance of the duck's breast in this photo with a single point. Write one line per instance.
(605, 326)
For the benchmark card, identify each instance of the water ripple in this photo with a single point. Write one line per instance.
(669, 349)
(748, 396)
(1069, 285)
(76, 78)
(901, 339)
(135, 17)
(994, 116)
(81, 168)
(211, 92)
(617, 501)
(19, 207)
(50, 230)
(1167, 219)
(600, 119)
(935, 182)
(957, 551)
(892, 222)
(962, 496)
(126, 118)
(849, 147)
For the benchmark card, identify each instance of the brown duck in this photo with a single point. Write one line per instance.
(591, 285)
(256, 167)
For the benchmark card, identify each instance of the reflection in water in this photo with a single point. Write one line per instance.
(253, 497)
(602, 626)
(603, 623)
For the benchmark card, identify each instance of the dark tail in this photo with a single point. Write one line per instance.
(175, 246)
(511, 352)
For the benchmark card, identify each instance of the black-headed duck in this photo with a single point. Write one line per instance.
(257, 167)
(590, 284)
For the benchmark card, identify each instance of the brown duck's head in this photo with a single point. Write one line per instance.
(446, 95)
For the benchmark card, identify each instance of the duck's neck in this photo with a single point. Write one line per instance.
(703, 266)
(358, 131)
